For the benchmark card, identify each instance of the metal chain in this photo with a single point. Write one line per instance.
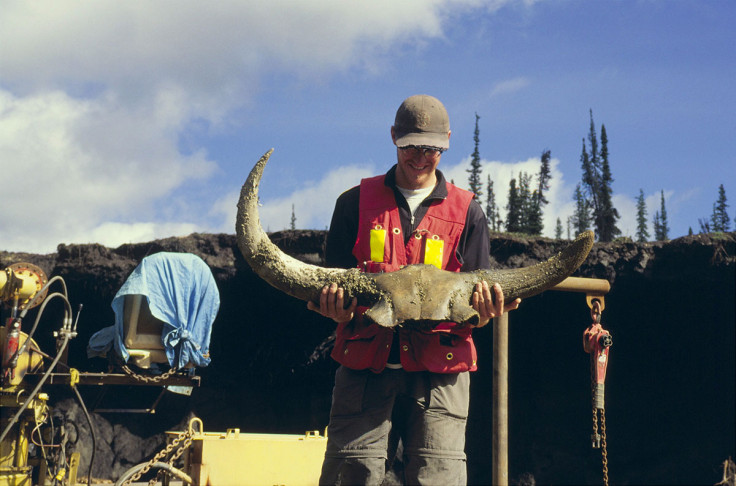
(179, 452)
(150, 379)
(604, 449)
(187, 436)
(595, 427)
(599, 441)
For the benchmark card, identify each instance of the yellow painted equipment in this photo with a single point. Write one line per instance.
(15, 469)
(234, 458)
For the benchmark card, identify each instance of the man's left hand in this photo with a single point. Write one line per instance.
(487, 306)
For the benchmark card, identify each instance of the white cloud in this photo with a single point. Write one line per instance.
(116, 234)
(313, 204)
(71, 164)
(509, 86)
(94, 96)
(626, 207)
(135, 46)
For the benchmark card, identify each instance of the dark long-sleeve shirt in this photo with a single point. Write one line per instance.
(473, 248)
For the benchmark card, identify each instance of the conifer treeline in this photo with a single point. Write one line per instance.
(593, 197)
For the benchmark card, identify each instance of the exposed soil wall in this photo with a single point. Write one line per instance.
(669, 392)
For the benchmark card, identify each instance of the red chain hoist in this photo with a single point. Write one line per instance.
(10, 350)
(597, 342)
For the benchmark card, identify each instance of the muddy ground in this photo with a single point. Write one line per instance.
(669, 392)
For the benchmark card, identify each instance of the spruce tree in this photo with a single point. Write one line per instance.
(526, 203)
(293, 218)
(591, 170)
(664, 226)
(581, 218)
(545, 174)
(535, 225)
(719, 220)
(492, 214)
(597, 181)
(533, 219)
(558, 230)
(657, 225)
(642, 233)
(474, 181)
(513, 209)
(607, 214)
(589, 188)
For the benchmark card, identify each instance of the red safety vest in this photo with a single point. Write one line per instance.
(448, 348)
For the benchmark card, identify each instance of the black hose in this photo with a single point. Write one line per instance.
(22, 349)
(92, 430)
(36, 389)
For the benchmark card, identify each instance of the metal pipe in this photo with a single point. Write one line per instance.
(500, 435)
(588, 285)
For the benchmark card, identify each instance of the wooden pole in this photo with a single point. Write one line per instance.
(594, 289)
(500, 439)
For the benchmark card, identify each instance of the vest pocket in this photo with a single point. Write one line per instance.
(359, 346)
(443, 350)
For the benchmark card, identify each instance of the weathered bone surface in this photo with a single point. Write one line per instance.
(420, 295)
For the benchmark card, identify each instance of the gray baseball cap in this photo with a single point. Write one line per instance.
(422, 120)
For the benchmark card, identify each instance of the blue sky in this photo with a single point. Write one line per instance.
(129, 121)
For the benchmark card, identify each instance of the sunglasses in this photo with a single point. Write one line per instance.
(416, 151)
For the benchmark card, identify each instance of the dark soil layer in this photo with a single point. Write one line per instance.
(669, 392)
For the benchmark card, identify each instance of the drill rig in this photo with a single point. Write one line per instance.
(25, 410)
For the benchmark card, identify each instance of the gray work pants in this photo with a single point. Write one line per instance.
(370, 411)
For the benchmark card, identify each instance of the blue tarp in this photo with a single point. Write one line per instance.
(182, 293)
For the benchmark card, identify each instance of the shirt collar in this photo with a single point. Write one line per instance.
(440, 189)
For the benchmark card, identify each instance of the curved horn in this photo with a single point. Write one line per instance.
(529, 281)
(416, 293)
(427, 295)
(296, 278)
(525, 282)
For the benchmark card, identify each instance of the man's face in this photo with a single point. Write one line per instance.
(416, 167)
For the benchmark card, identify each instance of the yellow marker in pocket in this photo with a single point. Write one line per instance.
(433, 248)
(378, 243)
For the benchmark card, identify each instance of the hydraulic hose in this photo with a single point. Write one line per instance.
(158, 465)
(92, 431)
(22, 349)
(36, 389)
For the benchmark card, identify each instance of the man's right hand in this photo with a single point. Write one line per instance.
(332, 304)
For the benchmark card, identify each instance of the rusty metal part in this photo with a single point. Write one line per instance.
(415, 295)
(24, 281)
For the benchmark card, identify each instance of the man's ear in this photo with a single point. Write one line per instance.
(393, 135)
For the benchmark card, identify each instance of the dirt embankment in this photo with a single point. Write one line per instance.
(670, 386)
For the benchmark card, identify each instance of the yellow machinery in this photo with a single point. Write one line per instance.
(209, 458)
(235, 458)
(22, 286)
(243, 459)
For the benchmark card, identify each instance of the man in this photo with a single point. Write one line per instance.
(404, 383)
